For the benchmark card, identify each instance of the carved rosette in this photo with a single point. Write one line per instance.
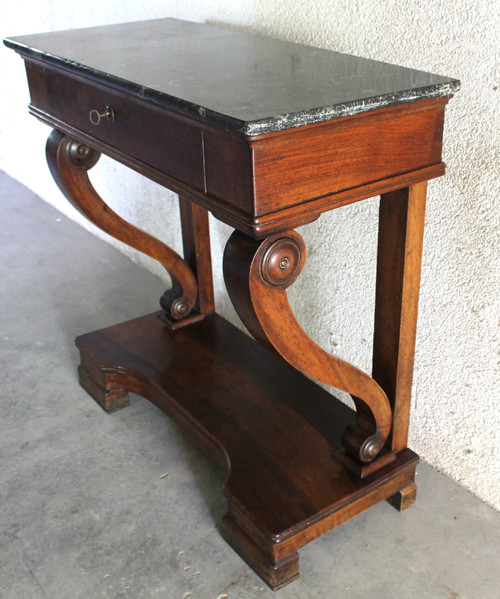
(282, 261)
(80, 155)
(257, 275)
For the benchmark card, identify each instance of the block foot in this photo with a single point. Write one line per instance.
(404, 498)
(275, 574)
(96, 382)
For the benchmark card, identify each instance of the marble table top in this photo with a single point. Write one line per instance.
(241, 82)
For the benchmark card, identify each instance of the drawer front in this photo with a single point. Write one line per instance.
(140, 129)
(320, 160)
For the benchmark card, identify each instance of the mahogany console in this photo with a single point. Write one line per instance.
(266, 135)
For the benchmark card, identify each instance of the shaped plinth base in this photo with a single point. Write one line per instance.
(273, 430)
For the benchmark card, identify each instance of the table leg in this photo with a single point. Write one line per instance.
(196, 245)
(288, 446)
(404, 498)
(69, 161)
(257, 274)
(187, 302)
(401, 229)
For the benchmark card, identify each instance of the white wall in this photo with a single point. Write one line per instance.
(455, 424)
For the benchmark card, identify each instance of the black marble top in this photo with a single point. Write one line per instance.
(235, 80)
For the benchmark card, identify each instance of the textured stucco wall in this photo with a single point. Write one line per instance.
(455, 424)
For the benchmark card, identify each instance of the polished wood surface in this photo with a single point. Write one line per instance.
(298, 461)
(382, 143)
(259, 184)
(138, 128)
(69, 162)
(399, 258)
(246, 407)
(196, 246)
(257, 275)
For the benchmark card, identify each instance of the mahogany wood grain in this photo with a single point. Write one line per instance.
(246, 407)
(158, 138)
(229, 169)
(308, 211)
(276, 573)
(401, 230)
(256, 227)
(298, 461)
(404, 498)
(196, 245)
(223, 211)
(313, 162)
(69, 162)
(93, 380)
(257, 275)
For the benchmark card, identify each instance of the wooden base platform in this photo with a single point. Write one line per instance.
(274, 431)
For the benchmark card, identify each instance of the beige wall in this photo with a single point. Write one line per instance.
(455, 423)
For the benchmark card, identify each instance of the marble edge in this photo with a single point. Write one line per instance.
(327, 113)
(255, 128)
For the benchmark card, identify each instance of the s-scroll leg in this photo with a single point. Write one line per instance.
(257, 274)
(69, 162)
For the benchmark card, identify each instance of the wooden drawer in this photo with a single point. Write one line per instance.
(142, 130)
(296, 166)
(256, 184)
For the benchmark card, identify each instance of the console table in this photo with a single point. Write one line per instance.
(266, 135)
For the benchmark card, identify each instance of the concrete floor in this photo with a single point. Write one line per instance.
(85, 511)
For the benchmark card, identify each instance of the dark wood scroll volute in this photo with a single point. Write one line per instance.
(257, 275)
(69, 162)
